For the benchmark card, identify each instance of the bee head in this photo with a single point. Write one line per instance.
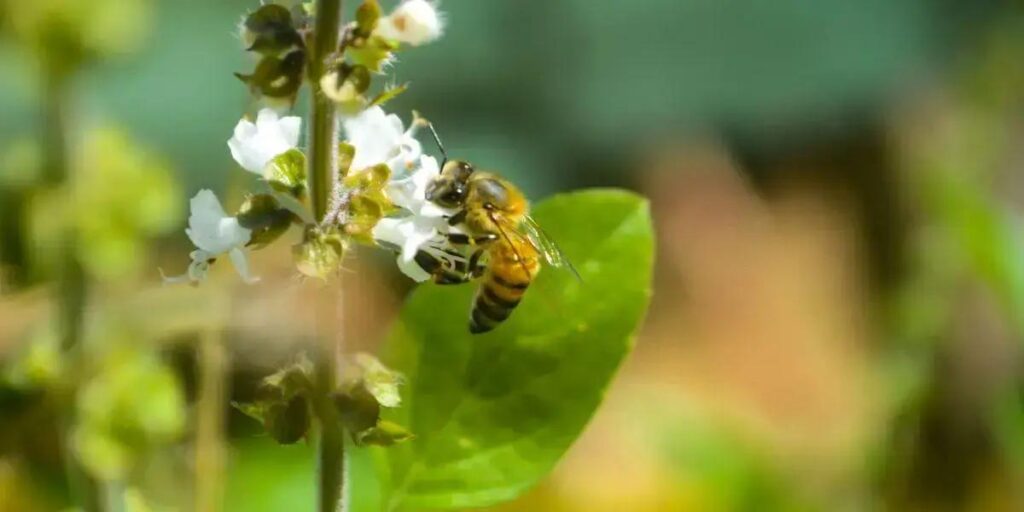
(450, 187)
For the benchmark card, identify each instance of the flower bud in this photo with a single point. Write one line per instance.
(288, 422)
(358, 409)
(414, 22)
(269, 30)
(319, 254)
(262, 214)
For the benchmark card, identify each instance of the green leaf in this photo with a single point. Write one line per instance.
(492, 414)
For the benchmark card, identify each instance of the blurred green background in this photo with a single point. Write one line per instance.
(839, 297)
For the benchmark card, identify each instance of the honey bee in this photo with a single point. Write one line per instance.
(507, 246)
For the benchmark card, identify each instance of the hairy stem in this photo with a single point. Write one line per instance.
(209, 444)
(323, 124)
(323, 138)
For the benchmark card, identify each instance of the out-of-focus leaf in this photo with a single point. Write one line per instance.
(491, 414)
(132, 403)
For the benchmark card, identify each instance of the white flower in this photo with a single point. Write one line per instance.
(411, 234)
(410, 192)
(379, 138)
(214, 233)
(424, 226)
(254, 145)
(413, 22)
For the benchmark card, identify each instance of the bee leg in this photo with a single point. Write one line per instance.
(476, 269)
(442, 273)
(458, 218)
(463, 239)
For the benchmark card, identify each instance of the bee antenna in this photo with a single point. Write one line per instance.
(440, 146)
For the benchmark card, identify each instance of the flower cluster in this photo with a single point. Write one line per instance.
(378, 194)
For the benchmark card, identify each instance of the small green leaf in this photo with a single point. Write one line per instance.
(493, 413)
(388, 94)
(386, 433)
(380, 381)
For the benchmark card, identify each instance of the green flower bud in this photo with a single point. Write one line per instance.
(358, 408)
(262, 214)
(277, 77)
(282, 405)
(288, 422)
(319, 254)
(372, 52)
(345, 86)
(269, 30)
(367, 201)
(366, 17)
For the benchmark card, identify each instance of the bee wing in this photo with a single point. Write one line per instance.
(547, 246)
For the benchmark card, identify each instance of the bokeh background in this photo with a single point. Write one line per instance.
(837, 188)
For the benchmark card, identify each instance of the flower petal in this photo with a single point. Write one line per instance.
(374, 135)
(414, 22)
(241, 264)
(209, 226)
(254, 145)
(413, 270)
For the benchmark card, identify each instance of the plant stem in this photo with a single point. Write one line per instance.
(323, 138)
(209, 473)
(71, 284)
(323, 148)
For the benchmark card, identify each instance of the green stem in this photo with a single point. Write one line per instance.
(323, 134)
(323, 138)
(209, 445)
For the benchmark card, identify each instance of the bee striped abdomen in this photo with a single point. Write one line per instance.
(495, 300)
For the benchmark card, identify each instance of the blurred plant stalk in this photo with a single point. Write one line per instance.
(323, 143)
(71, 286)
(209, 444)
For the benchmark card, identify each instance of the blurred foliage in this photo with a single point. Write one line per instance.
(72, 30)
(132, 403)
(119, 197)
